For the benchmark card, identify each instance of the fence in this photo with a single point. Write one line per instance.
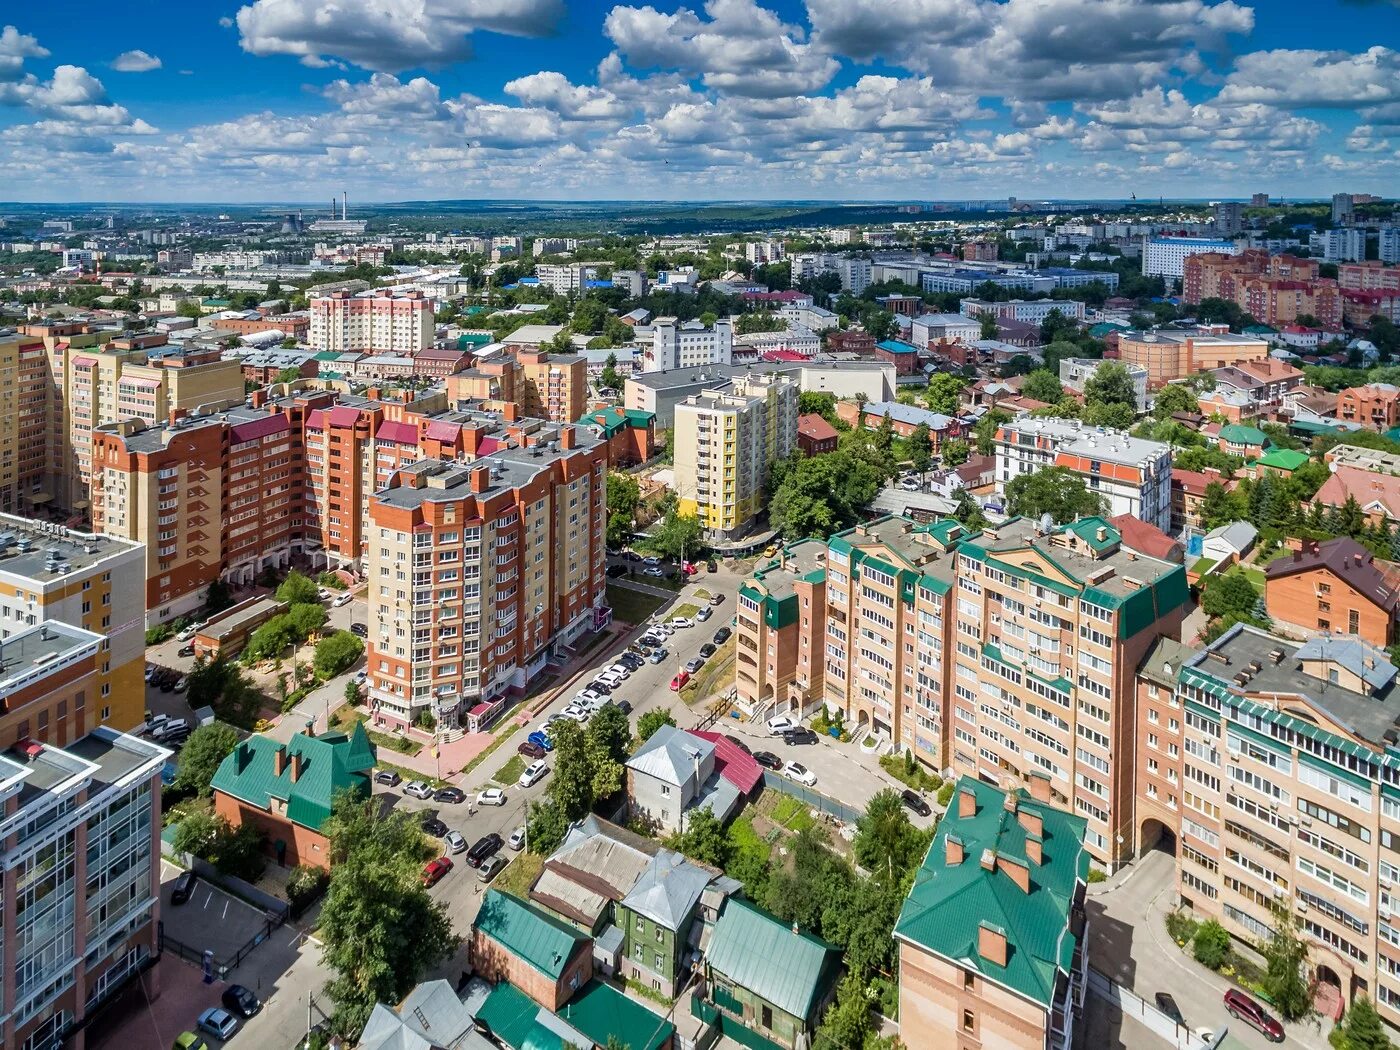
(811, 797)
(222, 967)
(1130, 1004)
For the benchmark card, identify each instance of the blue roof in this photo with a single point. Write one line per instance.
(894, 346)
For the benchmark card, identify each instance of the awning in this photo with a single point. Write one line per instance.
(40, 497)
(81, 504)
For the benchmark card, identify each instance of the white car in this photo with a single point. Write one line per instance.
(517, 838)
(800, 773)
(344, 599)
(620, 670)
(325, 594)
(680, 621)
(187, 634)
(780, 724)
(534, 773)
(910, 485)
(454, 842)
(578, 714)
(491, 797)
(418, 789)
(667, 629)
(612, 681)
(589, 694)
(704, 614)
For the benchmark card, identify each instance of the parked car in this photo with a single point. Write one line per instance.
(418, 789)
(679, 681)
(631, 661)
(450, 794)
(434, 827)
(530, 749)
(541, 740)
(189, 1041)
(631, 556)
(387, 777)
(712, 566)
(344, 599)
(484, 847)
(517, 838)
(435, 869)
(181, 683)
(154, 723)
(603, 686)
(619, 670)
(491, 797)
(651, 561)
(187, 635)
(454, 842)
(534, 773)
(722, 635)
(910, 485)
(768, 760)
(1168, 1006)
(578, 714)
(703, 613)
(800, 735)
(653, 570)
(185, 650)
(677, 622)
(665, 627)
(616, 570)
(1243, 1008)
(657, 655)
(800, 773)
(218, 1022)
(707, 650)
(241, 1001)
(915, 801)
(490, 868)
(625, 706)
(694, 664)
(359, 630)
(780, 724)
(716, 599)
(184, 886)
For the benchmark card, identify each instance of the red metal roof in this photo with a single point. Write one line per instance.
(732, 762)
(392, 430)
(815, 427)
(441, 430)
(343, 416)
(256, 428)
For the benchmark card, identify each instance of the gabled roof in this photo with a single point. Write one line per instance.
(1285, 459)
(1373, 491)
(671, 754)
(732, 762)
(1238, 434)
(948, 904)
(1237, 535)
(329, 763)
(815, 427)
(1145, 538)
(1348, 561)
(529, 933)
(668, 889)
(1365, 661)
(430, 1017)
(773, 960)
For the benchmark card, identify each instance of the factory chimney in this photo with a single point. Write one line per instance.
(344, 205)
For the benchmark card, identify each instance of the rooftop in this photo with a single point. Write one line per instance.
(32, 654)
(774, 960)
(1346, 559)
(1074, 437)
(44, 553)
(528, 932)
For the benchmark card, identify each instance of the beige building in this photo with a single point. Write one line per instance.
(95, 583)
(781, 623)
(725, 442)
(480, 574)
(1170, 354)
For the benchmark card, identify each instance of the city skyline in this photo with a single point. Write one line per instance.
(398, 100)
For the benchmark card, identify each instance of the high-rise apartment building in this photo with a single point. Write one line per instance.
(1389, 247)
(780, 649)
(1274, 289)
(1229, 218)
(25, 395)
(1343, 244)
(685, 344)
(725, 441)
(480, 573)
(1343, 209)
(1132, 475)
(555, 387)
(1289, 797)
(854, 271)
(82, 833)
(1165, 255)
(91, 582)
(378, 321)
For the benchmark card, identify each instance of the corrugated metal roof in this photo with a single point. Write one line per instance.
(531, 934)
(771, 959)
(393, 430)
(600, 1011)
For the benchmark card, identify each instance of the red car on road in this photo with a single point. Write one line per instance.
(1243, 1008)
(435, 869)
(678, 683)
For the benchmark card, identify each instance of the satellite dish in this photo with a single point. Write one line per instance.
(1047, 523)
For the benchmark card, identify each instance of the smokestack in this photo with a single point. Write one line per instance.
(344, 204)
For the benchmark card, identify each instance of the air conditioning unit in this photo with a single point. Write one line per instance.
(1273, 807)
(1292, 819)
(1306, 822)
(1302, 907)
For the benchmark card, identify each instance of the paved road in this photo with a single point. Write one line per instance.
(1129, 943)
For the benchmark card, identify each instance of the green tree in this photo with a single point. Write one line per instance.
(234, 851)
(1056, 491)
(1111, 385)
(884, 433)
(703, 837)
(650, 722)
(1211, 944)
(307, 618)
(819, 495)
(1041, 385)
(1061, 350)
(1362, 1029)
(270, 640)
(296, 589)
(624, 494)
(677, 536)
(944, 392)
(337, 653)
(817, 402)
(1114, 416)
(985, 430)
(990, 328)
(217, 598)
(1227, 593)
(886, 844)
(571, 786)
(380, 931)
(1174, 397)
(221, 685)
(920, 448)
(956, 452)
(199, 759)
(608, 739)
(610, 376)
(846, 1024)
(1218, 507)
(545, 827)
(1286, 955)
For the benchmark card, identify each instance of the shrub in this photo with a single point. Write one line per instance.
(305, 881)
(159, 633)
(1096, 875)
(945, 794)
(1211, 944)
(336, 653)
(1181, 927)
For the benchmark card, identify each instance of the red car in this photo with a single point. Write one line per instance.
(435, 869)
(1243, 1008)
(678, 683)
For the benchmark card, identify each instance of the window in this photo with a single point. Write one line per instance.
(767, 1018)
(969, 980)
(969, 1021)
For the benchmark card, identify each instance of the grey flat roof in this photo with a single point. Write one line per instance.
(115, 757)
(31, 649)
(78, 550)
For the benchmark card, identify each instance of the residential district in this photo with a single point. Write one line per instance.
(954, 633)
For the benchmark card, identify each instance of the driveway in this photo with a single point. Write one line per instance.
(1129, 943)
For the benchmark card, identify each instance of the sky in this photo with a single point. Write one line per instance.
(393, 100)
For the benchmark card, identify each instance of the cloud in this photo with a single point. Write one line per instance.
(1338, 79)
(385, 95)
(15, 47)
(742, 49)
(137, 61)
(553, 91)
(387, 35)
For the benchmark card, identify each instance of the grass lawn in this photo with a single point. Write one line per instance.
(632, 606)
(503, 729)
(702, 595)
(347, 716)
(718, 669)
(520, 874)
(1203, 566)
(510, 772)
(687, 610)
(792, 814)
(1255, 576)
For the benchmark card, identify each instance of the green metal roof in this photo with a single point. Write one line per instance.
(1239, 434)
(1289, 459)
(513, 1018)
(531, 933)
(767, 957)
(600, 1010)
(330, 763)
(1087, 529)
(947, 905)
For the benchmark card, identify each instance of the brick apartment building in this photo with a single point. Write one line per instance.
(1169, 354)
(1375, 406)
(1275, 289)
(1335, 586)
(376, 322)
(545, 385)
(480, 573)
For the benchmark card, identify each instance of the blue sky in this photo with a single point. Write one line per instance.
(287, 100)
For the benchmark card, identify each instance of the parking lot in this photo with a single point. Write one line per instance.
(212, 920)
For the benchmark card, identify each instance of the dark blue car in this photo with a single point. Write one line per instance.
(539, 737)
